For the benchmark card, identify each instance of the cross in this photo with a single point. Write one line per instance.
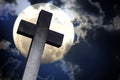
(40, 35)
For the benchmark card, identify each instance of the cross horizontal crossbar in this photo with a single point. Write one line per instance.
(28, 30)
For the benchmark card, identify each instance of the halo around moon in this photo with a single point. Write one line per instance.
(60, 23)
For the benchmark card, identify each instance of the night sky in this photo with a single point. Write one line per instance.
(97, 54)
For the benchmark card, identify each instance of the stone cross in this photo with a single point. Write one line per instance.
(40, 35)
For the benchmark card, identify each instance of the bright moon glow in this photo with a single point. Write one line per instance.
(60, 23)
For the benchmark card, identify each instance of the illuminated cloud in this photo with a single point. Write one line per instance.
(21, 5)
(69, 68)
(5, 45)
(12, 6)
(116, 23)
(85, 20)
(6, 7)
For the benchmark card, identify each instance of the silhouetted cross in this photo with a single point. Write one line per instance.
(40, 35)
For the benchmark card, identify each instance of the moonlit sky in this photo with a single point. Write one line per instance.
(95, 54)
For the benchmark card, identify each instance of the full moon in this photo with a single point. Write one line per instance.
(60, 23)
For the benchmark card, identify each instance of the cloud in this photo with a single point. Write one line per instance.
(5, 45)
(84, 21)
(10, 71)
(71, 8)
(97, 5)
(21, 5)
(6, 7)
(69, 68)
(116, 23)
(10, 1)
(12, 6)
(49, 77)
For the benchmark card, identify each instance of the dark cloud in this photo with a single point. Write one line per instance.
(58, 3)
(38, 1)
(98, 56)
(10, 1)
(110, 7)
(88, 7)
(55, 2)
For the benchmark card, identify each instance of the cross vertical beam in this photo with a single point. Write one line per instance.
(40, 35)
(37, 46)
